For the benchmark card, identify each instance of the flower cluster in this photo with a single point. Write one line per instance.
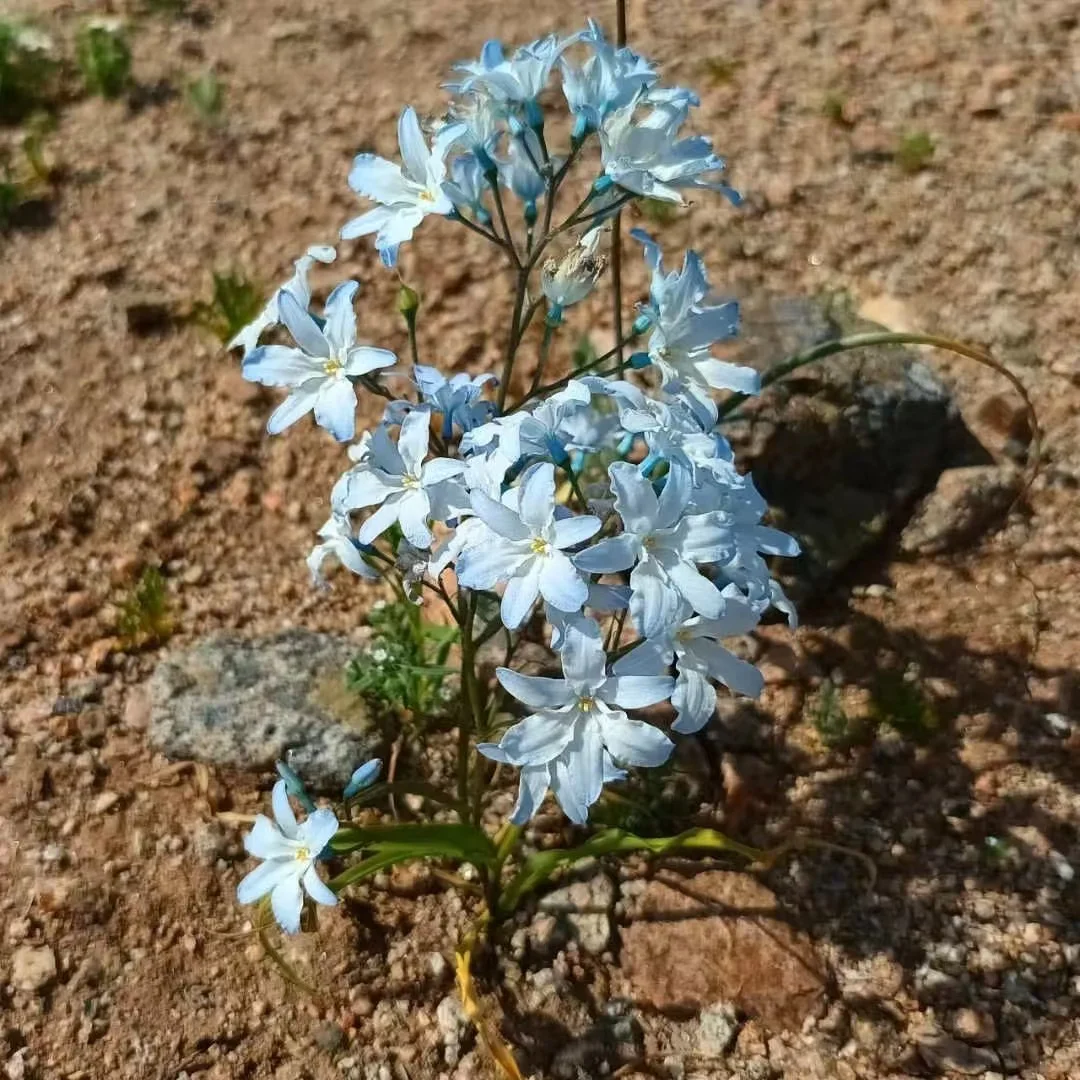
(605, 502)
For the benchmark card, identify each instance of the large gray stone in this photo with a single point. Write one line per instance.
(843, 447)
(244, 703)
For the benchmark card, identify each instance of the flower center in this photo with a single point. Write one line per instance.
(409, 481)
(303, 855)
(649, 542)
(540, 546)
(426, 196)
(333, 366)
(586, 704)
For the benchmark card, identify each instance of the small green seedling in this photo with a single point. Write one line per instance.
(902, 704)
(914, 152)
(206, 96)
(405, 671)
(27, 71)
(103, 56)
(833, 108)
(835, 728)
(235, 303)
(144, 616)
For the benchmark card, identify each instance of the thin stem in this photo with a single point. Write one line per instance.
(515, 336)
(541, 363)
(511, 247)
(480, 230)
(575, 486)
(466, 712)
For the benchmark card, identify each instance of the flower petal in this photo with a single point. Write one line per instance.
(531, 792)
(317, 889)
(499, 518)
(266, 840)
(413, 509)
(287, 902)
(635, 499)
(302, 326)
(694, 699)
(538, 496)
(520, 595)
(560, 583)
(335, 409)
(318, 830)
(414, 150)
(637, 691)
(365, 358)
(534, 690)
(340, 329)
(379, 522)
(633, 742)
(300, 402)
(414, 439)
(265, 877)
(283, 811)
(576, 530)
(279, 365)
(609, 555)
(538, 738)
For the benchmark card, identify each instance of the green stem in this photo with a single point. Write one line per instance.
(541, 363)
(511, 247)
(480, 230)
(515, 337)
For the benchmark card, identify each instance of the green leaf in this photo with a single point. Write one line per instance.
(449, 841)
(539, 867)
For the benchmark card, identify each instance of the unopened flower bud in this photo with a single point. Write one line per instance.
(408, 301)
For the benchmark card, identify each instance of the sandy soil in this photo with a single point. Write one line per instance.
(121, 447)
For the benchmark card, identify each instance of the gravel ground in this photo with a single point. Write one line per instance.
(128, 439)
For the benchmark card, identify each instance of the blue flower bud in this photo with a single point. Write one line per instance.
(490, 169)
(534, 115)
(640, 360)
(647, 465)
(530, 213)
(626, 443)
(482, 216)
(602, 184)
(555, 315)
(581, 131)
(515, 125)
(641, 324)
(363, 777)
(295, 786)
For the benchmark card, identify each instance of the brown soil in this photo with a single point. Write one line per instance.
(124, 444)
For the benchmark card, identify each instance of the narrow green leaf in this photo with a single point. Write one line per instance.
(449, 841)
(539, 867)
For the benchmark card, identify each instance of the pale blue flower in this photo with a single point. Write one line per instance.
(518, 80)
(694, 645)
(609, 79)
(363, 777)
(522, 545)
(580, 732)
(289, 851)
(648, 158)
(684, 328)
(407, 193)
(321, 370)
(338, 542)
(519, 171)
(468, 187)
(398, 481)
(297, 285)
(663, 547)
(457, 398)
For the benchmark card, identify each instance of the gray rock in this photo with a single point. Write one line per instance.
(33, 968)
(965, 503)
(580, 911)
(840, 448)
(717, 1028)
(244, 703)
